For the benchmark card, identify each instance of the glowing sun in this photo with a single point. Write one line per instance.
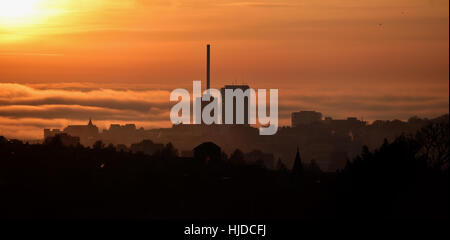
(19, 12)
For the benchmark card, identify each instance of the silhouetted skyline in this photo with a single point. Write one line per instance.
(60, 67)
(228, 111)
(329, 142)
(406, 177)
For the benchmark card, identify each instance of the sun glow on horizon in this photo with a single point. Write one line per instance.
(19, 12)
(24, 20)
(19, 19)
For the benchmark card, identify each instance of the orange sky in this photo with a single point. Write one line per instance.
(372, 59)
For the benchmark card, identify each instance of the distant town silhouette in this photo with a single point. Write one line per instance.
(225, 115)
(318, 167)
(329, 142)
(94, 175)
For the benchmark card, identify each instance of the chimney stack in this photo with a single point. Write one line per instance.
(208, 66)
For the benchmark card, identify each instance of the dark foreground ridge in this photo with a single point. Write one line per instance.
(406, 178)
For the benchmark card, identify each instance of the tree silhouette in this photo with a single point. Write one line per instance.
(208, 152)
(435, 141)
(98, 145)
(280, 166)
(314, 169)
(169, 151)
(237, 157)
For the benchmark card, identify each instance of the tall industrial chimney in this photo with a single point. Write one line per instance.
(208, 66)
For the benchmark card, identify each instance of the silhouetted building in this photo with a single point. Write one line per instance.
(147, 147)
(208, 66)
(246, 102)
(125, 134)
(350, 122)
(204, 103)
(51, 132)
(88, 133)
(305, 118)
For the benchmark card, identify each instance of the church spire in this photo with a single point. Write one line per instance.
(297, 169)
(90, 122)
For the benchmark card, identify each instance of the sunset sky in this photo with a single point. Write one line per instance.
(63, 61)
